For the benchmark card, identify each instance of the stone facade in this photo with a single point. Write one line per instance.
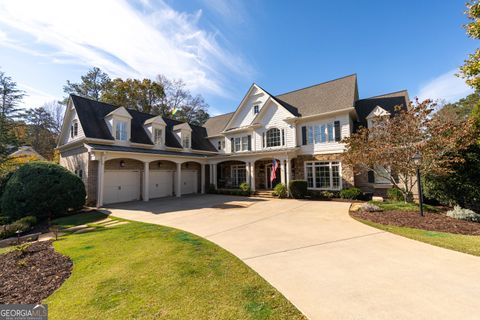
(92, 182)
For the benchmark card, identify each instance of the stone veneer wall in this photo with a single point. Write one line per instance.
(298, 168)
(92, 183)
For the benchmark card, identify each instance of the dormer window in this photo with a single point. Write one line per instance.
(186, 142)
(121, 130)
(157, 136)
(221, 144)
(256, 109)
(74, 129)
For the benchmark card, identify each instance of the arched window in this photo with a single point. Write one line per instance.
(273, 138)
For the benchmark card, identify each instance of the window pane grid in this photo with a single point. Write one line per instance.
(323, 175)
(273, 137)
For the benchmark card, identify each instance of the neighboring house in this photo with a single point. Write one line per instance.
(123, 155)
(26, 151)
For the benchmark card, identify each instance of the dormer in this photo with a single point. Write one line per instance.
(376, 113)
(155, 128)
(183, 132)
(119, 123)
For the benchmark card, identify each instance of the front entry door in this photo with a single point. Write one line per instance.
(268, 174)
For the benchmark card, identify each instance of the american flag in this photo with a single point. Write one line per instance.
(273, 175)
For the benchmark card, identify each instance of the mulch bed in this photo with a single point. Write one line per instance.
(431, 221)
(32, 274)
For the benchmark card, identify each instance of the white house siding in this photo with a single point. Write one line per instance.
(328, 147)
(72, 116)
(245, 113)
(274, 117)
(75, 159)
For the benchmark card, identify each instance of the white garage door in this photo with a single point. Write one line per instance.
(189, 181)
(161, 183)
(121, 186)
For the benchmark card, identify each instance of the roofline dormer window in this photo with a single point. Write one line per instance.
(121, 131)
(74, 129)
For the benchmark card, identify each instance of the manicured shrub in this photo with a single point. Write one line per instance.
(24, 224)
(245, 187)
(42, 189)
(327, 194)
(463, 214)
(280, 190)
(211, 188)
(4, 177)
(395, 194)
(351, 193)
(298, 189)
(370, 207)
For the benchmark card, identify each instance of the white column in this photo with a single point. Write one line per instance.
(247, 172)
(252, 176)
(282, 171)
(214, 174)
(289, 170)
(202, 178)
(100, 175)
(146, 183)
(178, 185)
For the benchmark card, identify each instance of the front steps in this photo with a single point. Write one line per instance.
(264, 194)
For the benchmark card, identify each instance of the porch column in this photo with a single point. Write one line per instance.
(282, 171)
(247, 172)
(146, 183)
(214, 174)
(289, 169)
(252, 176)
(202, 178)
(100, 175)
(178, 185)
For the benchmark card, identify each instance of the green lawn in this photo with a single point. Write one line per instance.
(144, 271)
(457, 242)
(402, 206)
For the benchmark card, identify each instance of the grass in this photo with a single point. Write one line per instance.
(143, 271)
(457, 242)
(402, 206)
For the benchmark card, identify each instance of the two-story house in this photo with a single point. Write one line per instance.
(124, 155)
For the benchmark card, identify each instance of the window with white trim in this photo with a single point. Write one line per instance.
(245, 143)
(256, 109)
(238, 146)
(321, 133)
(157, 135)
(323, 175)
(121, 130)
(273, 137)
(238, 174)
(186, 141)
(79, 173)
(74, 129)
(221, 144)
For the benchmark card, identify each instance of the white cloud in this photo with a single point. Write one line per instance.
(446, 87)
(35, 98)
(123, 40)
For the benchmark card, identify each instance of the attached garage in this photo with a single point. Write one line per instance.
(121, 186)
(189, 181)
(161, 183)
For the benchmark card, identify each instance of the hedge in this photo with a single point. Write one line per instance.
(298, 189)
(42, 189)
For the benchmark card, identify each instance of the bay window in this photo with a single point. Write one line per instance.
(323, 175)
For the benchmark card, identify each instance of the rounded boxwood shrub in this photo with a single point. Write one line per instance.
(395, 194)
(298, 189)
(280, 190)
(351, 193)
(245, 187)
(42, 189)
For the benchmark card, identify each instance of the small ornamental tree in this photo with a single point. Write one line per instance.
(388, 147)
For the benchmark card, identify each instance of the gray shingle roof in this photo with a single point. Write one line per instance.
(216, 124)
(325, 97)
(386, 101)
(92, 118)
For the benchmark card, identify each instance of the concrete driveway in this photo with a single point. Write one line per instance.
(327, 264)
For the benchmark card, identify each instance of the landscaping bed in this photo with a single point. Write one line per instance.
(31, 273)
(431, 221)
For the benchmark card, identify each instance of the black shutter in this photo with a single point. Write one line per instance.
(304, 135)
(232, 145)
(371, 176)
(263, 140)
(249, 142)
(338, 133)
(283, 137)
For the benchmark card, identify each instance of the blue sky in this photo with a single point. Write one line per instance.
(220, 47)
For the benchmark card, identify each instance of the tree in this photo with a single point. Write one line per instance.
(387, 148)
(40, 125)
(56, 111)
(92, 85)
(142, 95)
(470, 71)
(10, 97)
(179, 103)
